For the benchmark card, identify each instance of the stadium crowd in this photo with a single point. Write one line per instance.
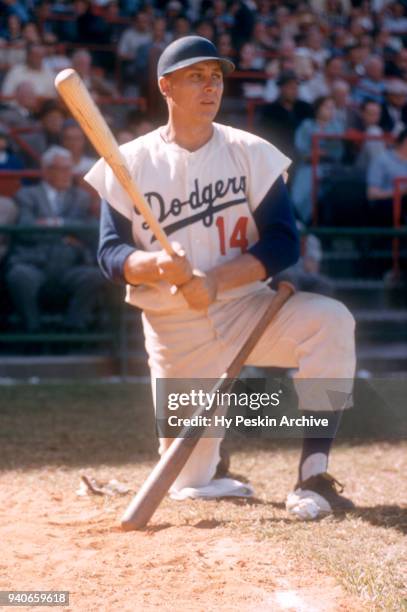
(323, 80)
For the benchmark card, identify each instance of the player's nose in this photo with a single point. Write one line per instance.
(209, 85)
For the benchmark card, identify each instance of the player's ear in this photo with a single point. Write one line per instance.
(164, 86)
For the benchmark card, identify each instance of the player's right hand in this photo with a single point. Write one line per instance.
(174, 269)
(200, 292)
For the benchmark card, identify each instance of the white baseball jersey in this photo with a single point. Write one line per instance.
(203, 199)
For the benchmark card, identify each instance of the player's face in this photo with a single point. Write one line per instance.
(194, 93)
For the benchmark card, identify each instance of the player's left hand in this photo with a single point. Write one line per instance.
(200, 291)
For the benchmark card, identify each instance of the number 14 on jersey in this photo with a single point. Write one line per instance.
(238, 237)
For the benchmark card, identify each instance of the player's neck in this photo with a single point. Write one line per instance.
(188, 137)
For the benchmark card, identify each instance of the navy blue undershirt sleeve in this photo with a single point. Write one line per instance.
(278, 246)
(115, 242)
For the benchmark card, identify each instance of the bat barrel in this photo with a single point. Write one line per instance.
(154, 489)
(83, 108)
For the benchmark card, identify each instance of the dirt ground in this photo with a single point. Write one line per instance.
(198, 556)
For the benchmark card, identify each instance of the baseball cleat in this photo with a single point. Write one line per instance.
(316, 496)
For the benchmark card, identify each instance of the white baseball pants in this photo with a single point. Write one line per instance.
(311, 333)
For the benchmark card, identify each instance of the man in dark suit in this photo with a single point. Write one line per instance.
(55, 264)
(281, 118)
(394, 110)
(20, 112)
(46, 134)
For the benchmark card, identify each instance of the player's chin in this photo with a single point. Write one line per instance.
(208, 111)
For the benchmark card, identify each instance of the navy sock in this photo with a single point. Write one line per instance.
(315, 450)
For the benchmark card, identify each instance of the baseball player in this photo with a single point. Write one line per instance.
(219, 194)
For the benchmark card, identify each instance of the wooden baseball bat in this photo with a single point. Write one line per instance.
(79, 101)
(152, 492)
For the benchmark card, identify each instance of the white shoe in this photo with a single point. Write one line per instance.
(317, 496)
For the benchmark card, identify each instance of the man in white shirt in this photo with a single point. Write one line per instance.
(33, 71)
(133, 38)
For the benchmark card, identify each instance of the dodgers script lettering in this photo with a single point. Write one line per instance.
(200, 199)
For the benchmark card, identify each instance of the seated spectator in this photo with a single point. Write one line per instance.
(12, 33)
(249, 60)
(339, 40)
(330, 153)
(225, 46)
(355, 61)
(21, 111)
(74, 141)
(288, 61)
(285, 23)
(11, 54)
(398, 67)
(51, 118)
(386, 45)
(56, 58)
(264, 12)
(382, 172)
(31, 33)
(160, 39)
(280, 119)
(32, 71)
(314, 47)
(144, 68)
(243, 23)
(206, 29)
(90, 26)
(369, 125)
(371, 86)
(14, 7)
(220, 14)
(322, 82)
(395, 18)
(134, 37)
(8, 216)
(172, 11)
(82, 63)
(394, 110)
(182, 27)
(262, 38)
(57, 265)
(8, 159)
(345, 114)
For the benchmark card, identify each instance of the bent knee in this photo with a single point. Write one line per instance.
(341, 316)
(332, 314)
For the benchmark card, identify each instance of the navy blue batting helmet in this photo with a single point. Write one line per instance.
(187, 51)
